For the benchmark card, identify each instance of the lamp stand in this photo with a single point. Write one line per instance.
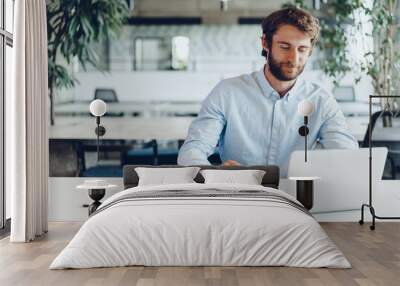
(305, 138)
(303, 131)
(96, 195)
(100, 131)
(369, 205)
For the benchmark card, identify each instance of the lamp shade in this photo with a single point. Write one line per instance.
(98, 107)
(305, 107)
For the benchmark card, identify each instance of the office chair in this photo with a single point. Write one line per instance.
(391, 153)
(106, 94)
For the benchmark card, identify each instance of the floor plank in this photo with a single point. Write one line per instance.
(374, 255)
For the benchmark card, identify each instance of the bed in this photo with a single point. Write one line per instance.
(198, 224)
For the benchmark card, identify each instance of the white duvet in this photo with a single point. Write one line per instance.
(200, 231)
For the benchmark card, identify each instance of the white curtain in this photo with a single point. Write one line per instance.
(26, 123)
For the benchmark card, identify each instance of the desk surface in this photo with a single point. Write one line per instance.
(357, 108)
(121, 128)
(358, 127)
(161, 108)
(146, 108)
(175, 128)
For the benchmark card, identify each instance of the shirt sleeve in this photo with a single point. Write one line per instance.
(205, 131)
(334, 133)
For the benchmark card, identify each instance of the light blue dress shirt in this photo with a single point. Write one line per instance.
(253, 125)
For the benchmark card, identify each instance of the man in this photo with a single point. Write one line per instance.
(253, 118)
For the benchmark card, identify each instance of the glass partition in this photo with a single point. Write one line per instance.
(150, 104)
(154, 80)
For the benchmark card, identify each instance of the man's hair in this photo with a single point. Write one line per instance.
(296, 17)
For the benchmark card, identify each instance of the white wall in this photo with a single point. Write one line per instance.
(216, 52)
(65, 201)
(179, 86)
(211, 46)
(182, 86)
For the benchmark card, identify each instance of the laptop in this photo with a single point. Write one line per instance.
(344, 183)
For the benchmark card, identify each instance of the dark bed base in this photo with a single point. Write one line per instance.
(270, 179)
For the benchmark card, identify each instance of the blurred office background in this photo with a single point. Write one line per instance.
(157, 70)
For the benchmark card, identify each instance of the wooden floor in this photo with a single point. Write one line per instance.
(375, 257)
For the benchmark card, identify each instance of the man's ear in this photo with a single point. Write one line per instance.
(264, 42)
(265, 50)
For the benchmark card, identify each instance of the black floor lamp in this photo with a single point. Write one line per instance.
(372, 122)
(98, 108)
(305, 108)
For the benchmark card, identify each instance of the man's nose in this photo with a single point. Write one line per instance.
(293, 57)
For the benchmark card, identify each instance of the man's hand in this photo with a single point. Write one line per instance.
(230, 163)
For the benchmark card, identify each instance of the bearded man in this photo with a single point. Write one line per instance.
(252, 119)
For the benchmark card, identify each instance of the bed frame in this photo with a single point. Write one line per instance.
(270, 179)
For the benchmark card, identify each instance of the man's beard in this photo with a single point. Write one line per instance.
(277, 70)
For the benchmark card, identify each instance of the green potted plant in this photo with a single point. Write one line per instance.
(72, 27)
(380, 62)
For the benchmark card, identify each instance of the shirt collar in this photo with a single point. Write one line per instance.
(268, 90)
(294, 91)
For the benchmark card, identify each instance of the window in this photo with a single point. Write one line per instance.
(6, 44)
(152, 53)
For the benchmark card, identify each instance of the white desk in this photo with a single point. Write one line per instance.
(128, 108)
(122, 134)
(121, 128)
(357, 108)
(181, 108)
(358, 127)
(175, 128)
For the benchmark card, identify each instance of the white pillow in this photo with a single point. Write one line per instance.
(248, 177)
(165, 176)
